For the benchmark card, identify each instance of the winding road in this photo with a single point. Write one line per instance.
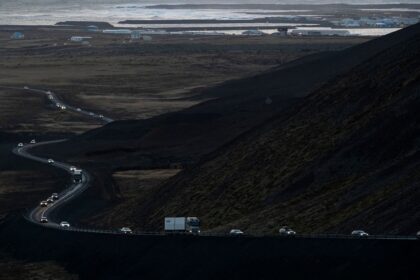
(76, 188)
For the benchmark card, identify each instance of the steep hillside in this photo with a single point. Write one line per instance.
(236, 107)
(346, 157)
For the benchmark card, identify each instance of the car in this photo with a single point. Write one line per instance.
(58, 105)
(50, 160)
(236, 232)
(54, 196)
(101, 116)
(26, 87)
(64, 224)
(91, 114)
(126, 230)
(49, 92)
(78, 109)
(33, 141)
(20, 145)
(50, 200)
(72, 168)
(43, 203)
(43, 220)
(50, 97)
(359, 233)
(63, 107)
(287, 231)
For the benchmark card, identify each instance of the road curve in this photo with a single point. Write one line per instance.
(65, 196)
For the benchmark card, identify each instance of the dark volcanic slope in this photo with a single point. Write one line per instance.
(347, 157)
(238, 106)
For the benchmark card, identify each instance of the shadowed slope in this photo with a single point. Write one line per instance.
(348, 156)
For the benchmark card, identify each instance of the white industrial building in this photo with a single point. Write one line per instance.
(117, 31)
(253, 33)
(153, 32)
(319, 32)
(79, 38)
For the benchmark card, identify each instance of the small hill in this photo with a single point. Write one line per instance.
(346, 157)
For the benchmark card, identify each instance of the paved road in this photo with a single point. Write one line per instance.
(71, 192)
(61, 105)
(77, 188)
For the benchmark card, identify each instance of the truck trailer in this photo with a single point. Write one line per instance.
(182, 225)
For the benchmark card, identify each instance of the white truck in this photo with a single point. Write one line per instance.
(182, 224)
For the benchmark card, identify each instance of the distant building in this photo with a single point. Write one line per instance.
(135, 35)
(153, 32)
(320, 32)
(253, 33)
(281, 31)
(17, 36)
(93, 28)
(349, 22)
(117, 31)
(79, 38)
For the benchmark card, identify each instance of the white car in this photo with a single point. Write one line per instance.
(43, 220)
(50, 161)
(72, 168)
(20, 145)
(360, 233)
(64, 224)
(50, 200)
(236, 232)
(101, 116)
(33, 141)
(126, 230)
(54, 196)
(43, 203)
(63, 107)
(286, 231)
(78, 109)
